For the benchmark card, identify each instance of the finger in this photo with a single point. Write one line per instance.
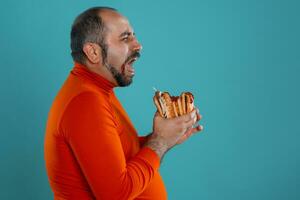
(189, 133)
(182, 139)
(197, 129)
(156, 113)
(199, 116)
(190, 123)
(187, 117)
(157, 116)
(186, 135)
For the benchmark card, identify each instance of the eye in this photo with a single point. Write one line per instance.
(125, 39)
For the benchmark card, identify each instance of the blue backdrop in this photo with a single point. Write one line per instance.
(239, 58)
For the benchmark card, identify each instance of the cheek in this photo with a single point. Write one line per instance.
(117, 55)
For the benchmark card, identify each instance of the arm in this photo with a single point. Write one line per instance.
(143, 139)
(92, 135)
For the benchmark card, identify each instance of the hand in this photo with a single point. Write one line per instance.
(167, 132)
(171, 130)
(191, 130)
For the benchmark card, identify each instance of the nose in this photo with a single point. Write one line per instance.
(137, 46)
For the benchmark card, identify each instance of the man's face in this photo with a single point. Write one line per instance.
(122, 47)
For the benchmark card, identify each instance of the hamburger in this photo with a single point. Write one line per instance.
(173, 106)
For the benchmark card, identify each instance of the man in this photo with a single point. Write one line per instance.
(92, 149)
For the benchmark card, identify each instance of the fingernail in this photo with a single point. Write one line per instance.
(193, 114)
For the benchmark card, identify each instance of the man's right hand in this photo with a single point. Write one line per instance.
(169, 132)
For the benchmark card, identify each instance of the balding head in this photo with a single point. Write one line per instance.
(89, 27)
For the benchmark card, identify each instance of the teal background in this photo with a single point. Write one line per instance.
(239, 58)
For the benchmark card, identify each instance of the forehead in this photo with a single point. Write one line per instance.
(115, 22)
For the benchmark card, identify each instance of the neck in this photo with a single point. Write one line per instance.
(102, 70)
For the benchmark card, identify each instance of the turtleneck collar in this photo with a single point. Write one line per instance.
(83, 72)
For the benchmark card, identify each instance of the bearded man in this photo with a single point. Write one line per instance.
(92, 150)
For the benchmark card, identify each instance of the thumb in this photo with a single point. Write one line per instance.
(157, 115)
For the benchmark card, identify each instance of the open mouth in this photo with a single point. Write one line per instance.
(131, 61)
(129, 66)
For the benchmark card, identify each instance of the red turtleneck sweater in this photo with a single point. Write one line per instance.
(92, 150)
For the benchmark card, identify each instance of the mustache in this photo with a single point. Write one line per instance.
(135, 54)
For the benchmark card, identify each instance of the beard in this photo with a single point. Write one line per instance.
(121, 77)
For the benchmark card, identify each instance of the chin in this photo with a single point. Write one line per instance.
(125, 83)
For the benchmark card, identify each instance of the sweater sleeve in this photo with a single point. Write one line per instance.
(91, 132)
(142, 140)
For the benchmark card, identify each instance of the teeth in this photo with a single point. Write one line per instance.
(131, 61)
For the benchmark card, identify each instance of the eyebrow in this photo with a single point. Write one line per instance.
(126, 33)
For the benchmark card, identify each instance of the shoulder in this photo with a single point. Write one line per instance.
(89, 100)
(87, 109)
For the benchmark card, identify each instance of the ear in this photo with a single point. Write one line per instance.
(92, 52)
